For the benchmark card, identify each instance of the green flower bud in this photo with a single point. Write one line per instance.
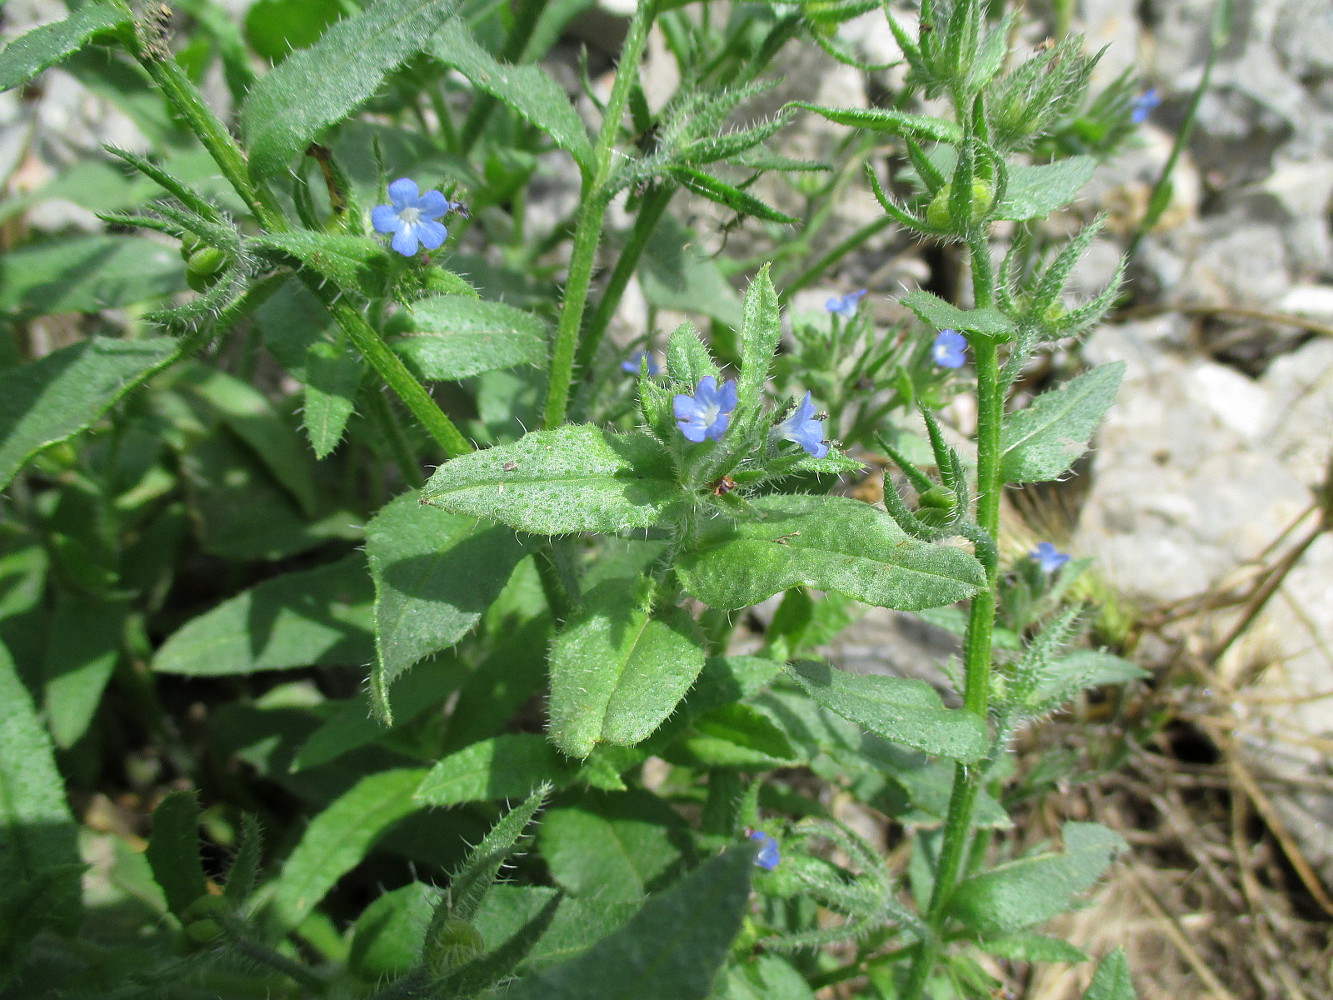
(207, 260)
(939, 498)
(453, 943)
(938, 215)
(200, 927)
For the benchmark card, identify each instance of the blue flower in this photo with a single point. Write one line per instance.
(947, 351)
(802, 427)
(707, 413)
(411, 217)
(634, 361)
(1048, 557)
(1143, 105)
(769, 855)
(846, 304)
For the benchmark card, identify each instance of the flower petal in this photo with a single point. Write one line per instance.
(405, 241)
(432, 205)
(403, 193)
(385, 219)
(431, 233)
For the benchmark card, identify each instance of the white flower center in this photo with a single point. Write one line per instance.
(410, 216)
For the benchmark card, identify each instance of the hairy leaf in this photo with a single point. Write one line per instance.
(1111, 981)
(1035, 191)
(574, 478)
(896, 708)
(52, 399)
(829, 543)
(44, 46)
(740, 202)
(888, 121)
(320, 86)
(173, 851)
(456, 337)
(1042, 441)
(942, 315)
(502, 767)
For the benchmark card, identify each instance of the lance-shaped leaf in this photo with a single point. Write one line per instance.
(1041, 442)
(29, 54)
(574, 478)
(901, 710)
(319, 86)
(312, 617)
(670, 950)
(502, 767)
(435, 573)
(888, 121)
(829, 543)
(1035, 191)
(526, 89)
(54, 398)
(38, 846)
(1111, 981)
(740, 202)
(617, 671)
(338, 839)
(469, 885)
(173, 851)
(1030, 890)
(349, 261)
(108, 272)
(333, 376)
(934, 311)
(457, 336)
(761, 329)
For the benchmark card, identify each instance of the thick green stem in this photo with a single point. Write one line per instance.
(588, 232)
(650, 213)
(967, 781)
(390, 368)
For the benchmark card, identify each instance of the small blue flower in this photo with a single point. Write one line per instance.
(707, 413)
(947, 351)
(635, 360)
(802, 427)
(411, 217)
(1143, 105)
(769, 855)
(1048, 557)
(846, 304)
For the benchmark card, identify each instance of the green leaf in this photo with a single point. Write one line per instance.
(898, 709)
(761, 330)
(941, 315)
(274, 28)
(470, 884)
(1042, 441)
(389, 934)
(308, 618)
(354, 725)
(435, 573)
(83, 645)
(1111, 981)
(37, 832)
(671, 950)
(616, 848)
(52, 399)
(1088, 668)
(739, 736)
(338, 839)
(574, 478)
(348, 261)
(502, 767)
(1035, 191)
(829, 543)
(616, 672)
(688, 359)
(173, 851)
(30, 53)
(87, 274)
(320, 86)
(526, 89)
(1030, 890)
(676, 274)
(333, 376)
(888, 121)
(1030, 947)
(740, 202)
(457, 337)
(577, 924)
(244, 869)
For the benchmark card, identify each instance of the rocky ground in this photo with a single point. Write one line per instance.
(1199, 502)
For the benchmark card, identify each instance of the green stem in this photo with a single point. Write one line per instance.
(650, 213)
(390, 368)
(592, 212)
(967, 781)
(390, 429)
(187, 102)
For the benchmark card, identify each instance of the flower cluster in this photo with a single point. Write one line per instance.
(769, 856)
(411, 217)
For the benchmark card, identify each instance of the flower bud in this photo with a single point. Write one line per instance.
(453, 943)
(938, 214)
